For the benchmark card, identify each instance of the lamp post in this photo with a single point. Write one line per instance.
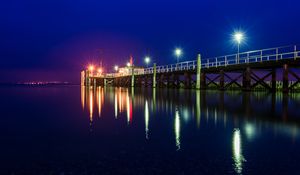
(178, 53)
(238, 37)
(147, 60)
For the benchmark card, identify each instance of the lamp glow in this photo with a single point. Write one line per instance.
(91, 67)
(238, 37)
(128, 64)
(177, 129)
(146, 120)
(178, 53)
(147, 60)
(238, 157)
(116, 68)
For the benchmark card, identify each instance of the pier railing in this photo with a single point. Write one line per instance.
(255, 56)
(264, 55)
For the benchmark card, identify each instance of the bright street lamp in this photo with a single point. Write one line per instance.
(116, 68)
(178, 53)
(238, 37)
(91, 68)
(147, 60)
(99, 71)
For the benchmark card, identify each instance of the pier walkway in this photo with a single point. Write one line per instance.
(250, 70)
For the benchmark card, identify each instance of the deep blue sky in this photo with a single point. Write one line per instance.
(55, 39)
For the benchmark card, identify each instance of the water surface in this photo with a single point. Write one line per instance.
(81, 130)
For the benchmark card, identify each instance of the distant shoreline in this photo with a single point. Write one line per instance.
(40, 84)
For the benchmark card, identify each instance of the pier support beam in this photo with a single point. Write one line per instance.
(145, 80)
(247, 79)
(87, 78)
(273, 88)
(187, 80)
(82, 78)
(161, 80)
(285, 79)
(203, 80)
(198, 77)
(222, 80)
(167, 80)
(176, 81)
(154, 76)
(132, 77)
(104, 82)
(95, 82)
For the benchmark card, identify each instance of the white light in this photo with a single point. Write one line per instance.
(237, 151)
(147, 60)
(249, 130)
(177, 129)
(146, 120)
(239, 37)
(116, 68)
(178, 52)
(128, 64)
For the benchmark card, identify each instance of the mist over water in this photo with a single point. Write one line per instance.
(77, 129)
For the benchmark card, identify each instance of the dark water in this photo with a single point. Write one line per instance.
(75, 130)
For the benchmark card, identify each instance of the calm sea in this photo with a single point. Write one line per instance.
(81, 130)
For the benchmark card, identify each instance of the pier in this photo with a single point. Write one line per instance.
(272, 69)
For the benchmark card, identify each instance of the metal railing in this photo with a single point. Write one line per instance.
(271, 54)
(264, 55)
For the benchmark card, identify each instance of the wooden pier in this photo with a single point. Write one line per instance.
(247, 71)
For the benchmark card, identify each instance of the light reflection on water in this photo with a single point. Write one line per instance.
(237, 151)
(251, 112)
(177, 129)
(194, 107)
(146, 120)
(87, 130)
(91, 105)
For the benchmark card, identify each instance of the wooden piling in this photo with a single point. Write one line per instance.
(154, 76)
(198, 77)
(132, 76)
(104, 82)
(285, 79)
(221, 80)
(203, 80)
(82, 78)
(273, 83)
(187, 80)
(247, 79)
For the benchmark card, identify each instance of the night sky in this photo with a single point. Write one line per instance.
(51, 40)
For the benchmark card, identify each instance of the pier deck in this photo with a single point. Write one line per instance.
(252, 70)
